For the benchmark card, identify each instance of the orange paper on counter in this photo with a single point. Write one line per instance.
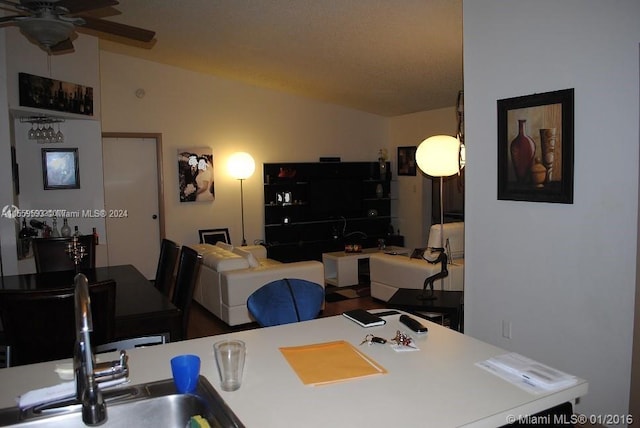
(330, 362)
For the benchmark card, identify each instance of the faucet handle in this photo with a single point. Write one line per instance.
(111, 370)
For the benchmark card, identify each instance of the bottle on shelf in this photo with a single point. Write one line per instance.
(25, 239)
(95, 236)
(55, 233)
(65, 230)
(46, 230)
(76, 232)
(24, 232)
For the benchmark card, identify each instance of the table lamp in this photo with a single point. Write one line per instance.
(241, 166)
(438, 156)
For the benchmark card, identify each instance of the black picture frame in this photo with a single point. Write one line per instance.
(407, 160)
(535, 163)
(51, 94)
(211, 236)
(60, 169)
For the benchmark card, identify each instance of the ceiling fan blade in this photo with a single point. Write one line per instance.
(10, 18)
(77, 6)
(64, 45)
(10, 3)
(123, 30)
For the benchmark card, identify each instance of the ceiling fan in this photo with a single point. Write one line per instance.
(51, 23)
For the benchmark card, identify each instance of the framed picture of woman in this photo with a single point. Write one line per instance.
(195, 175)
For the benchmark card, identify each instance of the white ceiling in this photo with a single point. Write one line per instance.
(388, 57)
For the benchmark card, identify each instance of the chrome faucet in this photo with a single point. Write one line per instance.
(88, 374)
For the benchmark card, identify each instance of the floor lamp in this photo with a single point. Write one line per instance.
(241, 166)
(438, 156)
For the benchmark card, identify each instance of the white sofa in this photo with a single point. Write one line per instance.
(389, 273)
(229, 275)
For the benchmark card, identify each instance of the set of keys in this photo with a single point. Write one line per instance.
(370, 338)
(399, 339)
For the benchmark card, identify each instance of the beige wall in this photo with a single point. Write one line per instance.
(414, 193)
(196, 110)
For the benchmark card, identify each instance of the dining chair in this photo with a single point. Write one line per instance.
(5, 352)
(186, 276)
(134, 342)
(169, 251)
(286, 301)
(40, 325)
(50, 253)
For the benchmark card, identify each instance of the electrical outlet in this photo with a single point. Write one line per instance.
(506, 329)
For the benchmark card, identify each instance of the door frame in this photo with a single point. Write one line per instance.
(158, 138)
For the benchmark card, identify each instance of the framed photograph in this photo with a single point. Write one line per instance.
(211, 236)
(195, 175)
(535, 147)
(407, 160)
(60, 169)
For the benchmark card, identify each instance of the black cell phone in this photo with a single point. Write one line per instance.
(364, 318)
(386, 313)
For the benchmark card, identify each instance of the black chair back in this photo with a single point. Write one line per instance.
(50, 254)
(40, 325)
(186, 277)
(169, 251)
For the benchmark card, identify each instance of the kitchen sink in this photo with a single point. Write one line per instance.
(155, 404)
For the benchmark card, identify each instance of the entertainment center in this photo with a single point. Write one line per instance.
(315, 207)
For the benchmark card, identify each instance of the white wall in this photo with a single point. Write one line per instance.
(196, 110)
(414, 196)
(7, 226)
(81, 67)
(563, 275)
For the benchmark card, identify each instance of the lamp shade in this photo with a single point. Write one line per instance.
(241, 165)
(439, 156)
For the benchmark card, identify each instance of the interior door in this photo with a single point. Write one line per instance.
(131, 202)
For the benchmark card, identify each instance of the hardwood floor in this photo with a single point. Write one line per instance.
(203, 323)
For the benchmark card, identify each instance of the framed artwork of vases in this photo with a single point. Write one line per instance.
(535, 147)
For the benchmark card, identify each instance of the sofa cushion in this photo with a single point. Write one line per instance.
(224, 246)
(248, 255)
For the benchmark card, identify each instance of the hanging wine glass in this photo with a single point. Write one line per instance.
(32, 131)
(39, 133)
(59, 138)
(45, 134)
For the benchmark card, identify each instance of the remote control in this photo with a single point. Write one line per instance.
(413, 324)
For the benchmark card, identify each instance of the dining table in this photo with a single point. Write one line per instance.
(140, 309)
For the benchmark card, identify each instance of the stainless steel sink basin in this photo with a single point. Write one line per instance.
(155, 404)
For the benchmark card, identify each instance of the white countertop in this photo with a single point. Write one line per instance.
(439, 385)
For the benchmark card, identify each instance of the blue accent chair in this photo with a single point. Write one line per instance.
(286, 301)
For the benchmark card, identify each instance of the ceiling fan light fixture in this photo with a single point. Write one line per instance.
(46, 32)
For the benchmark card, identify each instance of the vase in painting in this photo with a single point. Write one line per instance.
(523, 149)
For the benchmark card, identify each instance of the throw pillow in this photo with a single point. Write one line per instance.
(224, 246)
(253, 262)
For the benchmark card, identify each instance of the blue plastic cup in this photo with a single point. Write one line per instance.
(185, 370)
